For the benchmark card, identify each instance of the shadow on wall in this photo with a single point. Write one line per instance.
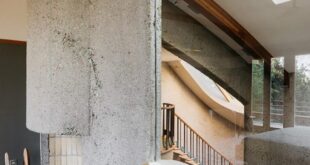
(14, 136)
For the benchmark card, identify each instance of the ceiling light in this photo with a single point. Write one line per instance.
(278, 2)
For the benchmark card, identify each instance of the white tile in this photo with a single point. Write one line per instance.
(51, 146)
(70, 161)
(58, 160)
(52, 160)
(74, 160)
(69, 146)
(78, 147)
(63, 160)
(64, 145)
(58, 146)
(79, 160)
(73, 146)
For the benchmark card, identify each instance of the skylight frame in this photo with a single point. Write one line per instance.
(279, 2)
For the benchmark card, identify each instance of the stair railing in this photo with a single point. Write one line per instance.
(177, 132)
(168, 114)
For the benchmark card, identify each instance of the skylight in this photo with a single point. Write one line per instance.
(278, 2)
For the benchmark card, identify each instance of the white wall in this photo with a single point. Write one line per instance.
(13, 19)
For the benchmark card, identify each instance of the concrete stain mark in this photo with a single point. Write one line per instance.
(97, 86)
(94, 116)
(80, 50)
(90, 2)
(68, 41)
(94, 67)
(71, 131)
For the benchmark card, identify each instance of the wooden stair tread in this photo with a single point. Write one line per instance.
(191, 162)
(163, 150)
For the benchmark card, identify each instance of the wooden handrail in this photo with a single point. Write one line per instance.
(168, 127)
(202, 138)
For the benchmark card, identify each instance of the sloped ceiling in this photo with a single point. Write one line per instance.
(284, 30)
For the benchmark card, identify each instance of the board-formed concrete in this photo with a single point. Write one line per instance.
(93, 69)
(280, 147)
(192, 42)
(59, 66)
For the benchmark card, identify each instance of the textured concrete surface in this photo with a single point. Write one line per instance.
(281, 147)
(289, 102)
(59, 66)
(44, 149)
(93, 70)
(195, 44)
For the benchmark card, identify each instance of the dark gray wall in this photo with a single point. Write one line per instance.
(14, 135)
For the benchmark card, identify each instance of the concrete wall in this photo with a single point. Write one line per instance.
(219, 132)
(206, 52)
(14, 134)
(193, 43)
(13, 18)
(280, 147)
(92, 69)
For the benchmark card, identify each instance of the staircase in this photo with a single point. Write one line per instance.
(182, 143)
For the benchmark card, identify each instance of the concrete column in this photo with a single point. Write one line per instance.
(59, 66)
(44, 149)
(248, 120)
(196, 45)
(289, 102)
(93, 69)
(267, 97)
(289, 94)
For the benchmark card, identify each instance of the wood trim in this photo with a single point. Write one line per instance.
(224, 93)
(13, 42)
(205, 141)
(216, 14)
(222, 19)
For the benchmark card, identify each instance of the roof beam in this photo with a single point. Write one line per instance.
(217, 15)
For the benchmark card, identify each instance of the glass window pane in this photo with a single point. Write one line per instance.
(302, 90)
(257, 101)
(277, 92)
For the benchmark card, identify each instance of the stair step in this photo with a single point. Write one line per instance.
(192, 162)
(163, 150)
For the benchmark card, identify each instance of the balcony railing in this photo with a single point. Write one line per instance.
(177, 132)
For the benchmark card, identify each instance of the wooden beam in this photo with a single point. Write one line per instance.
(217, 15)
(13, 42)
